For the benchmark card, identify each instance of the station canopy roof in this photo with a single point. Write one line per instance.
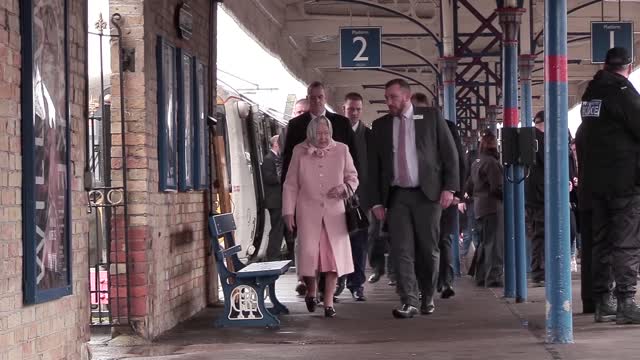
(304, 35)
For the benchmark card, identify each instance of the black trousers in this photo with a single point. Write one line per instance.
(414, 226)
(359, 245)
(490, 252)
(535, 234)
(616, 244)
(378, 246)
(586, 278)
(447, 221)
(276, 234)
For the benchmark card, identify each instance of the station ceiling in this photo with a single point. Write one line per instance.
(304, 34)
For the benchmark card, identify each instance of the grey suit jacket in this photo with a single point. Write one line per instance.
(437, 157)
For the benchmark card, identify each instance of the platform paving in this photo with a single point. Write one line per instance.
(475, 324)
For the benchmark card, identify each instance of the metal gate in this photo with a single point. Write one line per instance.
(106, 186)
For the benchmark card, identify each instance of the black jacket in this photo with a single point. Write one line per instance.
(361, 137)
(437, 158)
(609, 137)
(461, 159)
(271, 181)
(485, 185)
(297, 133)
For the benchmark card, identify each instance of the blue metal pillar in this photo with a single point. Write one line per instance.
(556, 175)
(449, 65)
(523, 259)
(510, 18)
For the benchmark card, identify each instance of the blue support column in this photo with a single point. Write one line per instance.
(510, 18)
(523, 261)
(449, 65)
(556, 176)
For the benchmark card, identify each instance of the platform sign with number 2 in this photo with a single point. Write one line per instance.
(361, 47)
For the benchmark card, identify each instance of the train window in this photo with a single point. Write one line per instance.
(167, 116)
(186, 138)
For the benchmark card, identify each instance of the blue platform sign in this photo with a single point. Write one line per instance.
(605, 35)
(361, 47)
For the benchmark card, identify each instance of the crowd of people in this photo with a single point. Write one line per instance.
(413, 178)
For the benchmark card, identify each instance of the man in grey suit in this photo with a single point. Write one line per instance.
(413, 167)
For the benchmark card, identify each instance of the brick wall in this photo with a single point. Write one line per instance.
(167, 233)
(57, 329)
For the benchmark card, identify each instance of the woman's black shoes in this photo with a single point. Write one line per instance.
(329, 312)
(311, 303)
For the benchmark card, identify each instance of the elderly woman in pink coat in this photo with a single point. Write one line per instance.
(313, 201)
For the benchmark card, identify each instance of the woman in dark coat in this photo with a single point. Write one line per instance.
(485, 185)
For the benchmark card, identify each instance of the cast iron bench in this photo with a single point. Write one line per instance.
(244, 287)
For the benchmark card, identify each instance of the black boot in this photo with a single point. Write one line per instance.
(605, 308)
(628, 311)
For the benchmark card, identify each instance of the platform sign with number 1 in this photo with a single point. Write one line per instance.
(606, 35)
(361, 47)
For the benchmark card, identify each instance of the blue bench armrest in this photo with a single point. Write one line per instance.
(230, 251)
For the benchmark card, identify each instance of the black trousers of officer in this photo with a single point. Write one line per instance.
(586, 279)
(535, 233)
(616, 244)
(447, 221)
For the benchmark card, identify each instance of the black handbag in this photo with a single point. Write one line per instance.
(356, 217)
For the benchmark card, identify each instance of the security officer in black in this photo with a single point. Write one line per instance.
(610, 139)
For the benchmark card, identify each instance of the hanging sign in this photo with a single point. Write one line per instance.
(606, 35)
(361, 47)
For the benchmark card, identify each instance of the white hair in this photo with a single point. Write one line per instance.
(312, 128)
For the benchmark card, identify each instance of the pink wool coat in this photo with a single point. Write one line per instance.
(309, 179)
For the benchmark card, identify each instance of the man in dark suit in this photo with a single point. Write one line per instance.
(297, 127)
(271, 171)
(448, 231)
(414, 173)
(353, 104)
(297, 133)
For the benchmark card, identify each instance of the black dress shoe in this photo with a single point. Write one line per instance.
(374, 278)
(405, 312)
(358, 294)
(427, 307)
(392, 283)
(342, 283)
(301, 288)
(447, 292)
(329, 312)
(311, 303)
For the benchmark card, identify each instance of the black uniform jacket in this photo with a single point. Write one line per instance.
(297, 133)
(608, 142)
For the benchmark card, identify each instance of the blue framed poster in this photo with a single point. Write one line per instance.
(167, 116)
(46, 143)
(201, 131)
(186, 128)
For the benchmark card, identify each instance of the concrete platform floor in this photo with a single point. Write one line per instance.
(475, 324)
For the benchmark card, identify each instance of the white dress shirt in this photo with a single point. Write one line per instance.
(355, 127)
(323, 113)
(411, 151)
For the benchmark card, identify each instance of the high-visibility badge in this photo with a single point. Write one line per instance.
(591, 108)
